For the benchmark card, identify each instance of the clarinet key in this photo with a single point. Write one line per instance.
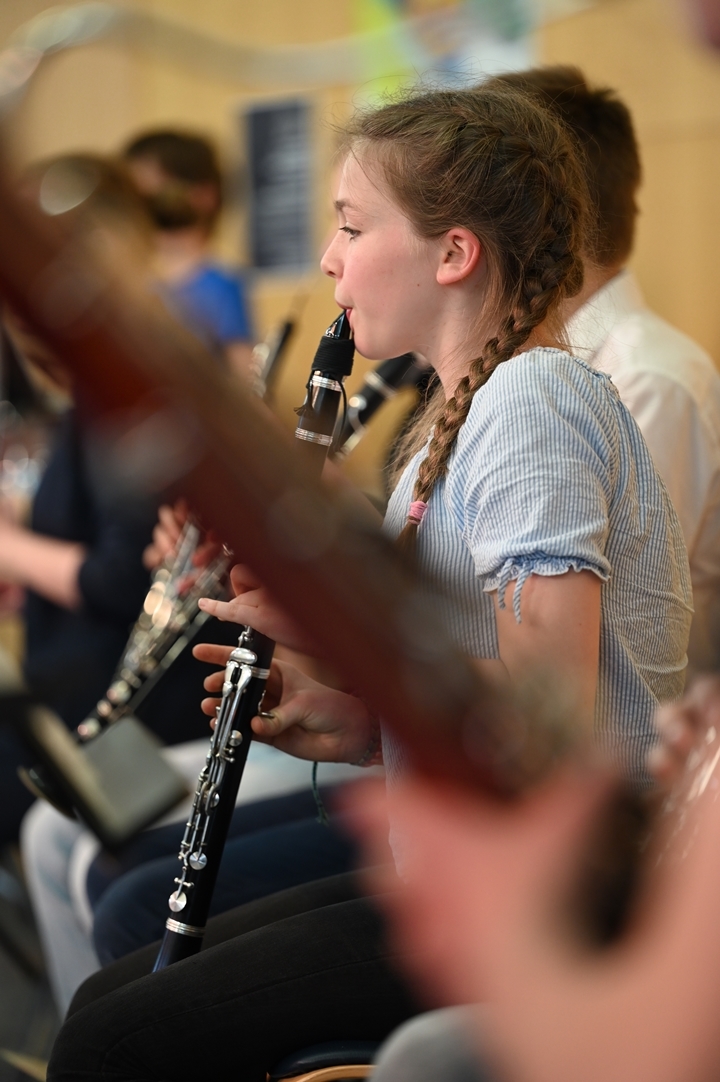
(198, 861)
(177, 901)
(211, 798)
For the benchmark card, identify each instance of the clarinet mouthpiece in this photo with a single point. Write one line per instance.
(340, 328)
(334, 357)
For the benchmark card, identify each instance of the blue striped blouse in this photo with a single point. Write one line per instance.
(550, 473)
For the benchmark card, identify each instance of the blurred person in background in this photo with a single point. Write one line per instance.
(82, 557)
(669, 384)
(79, 559)
(179, 177)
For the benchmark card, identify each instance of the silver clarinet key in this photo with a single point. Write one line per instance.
(177, 901)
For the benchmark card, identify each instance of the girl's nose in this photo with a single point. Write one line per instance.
(330, 263)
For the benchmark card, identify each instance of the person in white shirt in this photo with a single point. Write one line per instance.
(669, 384)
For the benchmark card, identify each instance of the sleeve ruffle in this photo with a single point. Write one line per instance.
(521, 567)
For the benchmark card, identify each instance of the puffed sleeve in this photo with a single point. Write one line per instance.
(533, 476)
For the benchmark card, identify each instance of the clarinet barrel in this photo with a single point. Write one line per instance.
(246, 675)
(317, 417)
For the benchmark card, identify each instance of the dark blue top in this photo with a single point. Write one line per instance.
(71, 654)
(212, 303)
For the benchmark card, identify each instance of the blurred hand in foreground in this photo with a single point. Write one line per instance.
(485, 916)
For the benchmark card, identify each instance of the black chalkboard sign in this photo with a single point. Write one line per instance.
(280, 176)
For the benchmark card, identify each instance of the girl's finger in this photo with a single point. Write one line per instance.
(229, 611)
(212, 653)
(214, 682)
(151, 557)
(205, 553)
(208, 706)
(271, 724)
(169, 522)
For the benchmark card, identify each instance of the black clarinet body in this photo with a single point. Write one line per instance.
(202, 846)
(246, 675)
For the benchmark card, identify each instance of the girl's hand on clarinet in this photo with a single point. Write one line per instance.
(213, 654)
(252, 605)
(304, 717)
(311, 721)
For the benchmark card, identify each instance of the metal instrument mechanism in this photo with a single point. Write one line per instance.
(169, 620)
(240, 670)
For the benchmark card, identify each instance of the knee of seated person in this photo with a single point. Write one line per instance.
(46, 835)
(123, 921)
(34, 826)
(433, 1045)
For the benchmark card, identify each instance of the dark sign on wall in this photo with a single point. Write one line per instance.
(280, 173)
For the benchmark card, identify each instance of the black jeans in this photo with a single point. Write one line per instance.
(301, 967)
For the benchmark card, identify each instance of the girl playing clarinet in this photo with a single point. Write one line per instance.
(532, 503)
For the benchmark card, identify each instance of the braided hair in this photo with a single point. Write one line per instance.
(493, 161)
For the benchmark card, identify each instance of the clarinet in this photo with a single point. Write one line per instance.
(381, 384)
(267, 356)
(169, 620)
(246, 675)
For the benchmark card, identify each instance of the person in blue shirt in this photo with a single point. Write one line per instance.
(179, 177)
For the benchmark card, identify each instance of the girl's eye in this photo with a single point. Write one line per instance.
(352, 233)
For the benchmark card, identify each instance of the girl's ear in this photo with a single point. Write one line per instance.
(460, 254)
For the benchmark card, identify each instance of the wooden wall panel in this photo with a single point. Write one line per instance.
(98, 96)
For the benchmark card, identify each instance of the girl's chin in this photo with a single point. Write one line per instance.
(374, 349)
